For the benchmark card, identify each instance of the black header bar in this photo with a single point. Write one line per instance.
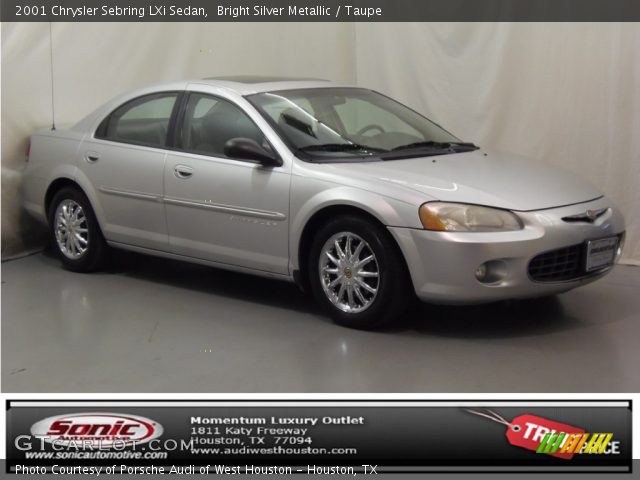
(320, 11)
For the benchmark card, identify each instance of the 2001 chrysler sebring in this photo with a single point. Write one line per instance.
(352, 195)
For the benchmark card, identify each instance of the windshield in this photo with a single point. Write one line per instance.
(325, 123)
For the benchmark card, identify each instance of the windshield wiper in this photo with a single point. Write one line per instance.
(437, 145)
(339, 147)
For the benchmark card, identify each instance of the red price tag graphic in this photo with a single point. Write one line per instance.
(527, 431)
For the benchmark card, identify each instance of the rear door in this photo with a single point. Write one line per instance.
(222, 209)
(125, 163)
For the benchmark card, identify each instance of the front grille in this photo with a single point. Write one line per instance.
(568, 263)
(558, 265)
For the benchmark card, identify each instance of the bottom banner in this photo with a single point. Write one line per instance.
(317, 437)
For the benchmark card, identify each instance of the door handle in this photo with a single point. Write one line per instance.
(182, 171)
(92, 157)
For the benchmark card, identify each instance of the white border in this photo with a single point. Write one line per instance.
(605, 397)
(304, 404)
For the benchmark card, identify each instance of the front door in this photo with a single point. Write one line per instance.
(221, 209)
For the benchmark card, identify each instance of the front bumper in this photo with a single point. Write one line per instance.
(443, 264)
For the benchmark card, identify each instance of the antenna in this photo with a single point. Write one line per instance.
(53, 110)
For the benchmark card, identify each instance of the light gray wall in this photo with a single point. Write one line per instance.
(97, 61)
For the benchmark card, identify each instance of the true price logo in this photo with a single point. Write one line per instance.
(545, 436)
(527, 431)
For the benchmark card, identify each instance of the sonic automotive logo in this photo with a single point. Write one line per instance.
(97, 430)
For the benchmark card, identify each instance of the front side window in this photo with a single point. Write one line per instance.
(326, 123)
(143, 121)
(210, 122)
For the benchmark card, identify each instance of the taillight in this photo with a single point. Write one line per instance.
(27, 150)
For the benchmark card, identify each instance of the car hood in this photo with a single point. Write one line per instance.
(483, 178)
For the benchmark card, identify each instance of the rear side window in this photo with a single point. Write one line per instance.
(143, 121)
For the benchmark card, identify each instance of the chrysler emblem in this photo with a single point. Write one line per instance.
(588, 216)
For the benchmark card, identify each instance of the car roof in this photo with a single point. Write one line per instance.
(249, 84)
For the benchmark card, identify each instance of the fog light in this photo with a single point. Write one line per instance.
(619, 249)
(481, 272)
(493, 272)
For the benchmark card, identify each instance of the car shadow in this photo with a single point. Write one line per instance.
(514, 318)
(206, 279)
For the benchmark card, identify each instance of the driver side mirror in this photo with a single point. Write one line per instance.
(248, 149)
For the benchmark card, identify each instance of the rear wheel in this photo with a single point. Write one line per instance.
(75, 233)
(357, 273)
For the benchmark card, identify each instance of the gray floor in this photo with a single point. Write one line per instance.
(154, 325)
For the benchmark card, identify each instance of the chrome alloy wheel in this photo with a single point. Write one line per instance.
(71, 229)
(349, 272)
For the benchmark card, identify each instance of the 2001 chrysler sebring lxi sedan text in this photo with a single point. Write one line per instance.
(354, 196)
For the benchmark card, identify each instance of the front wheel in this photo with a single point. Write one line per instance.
(358, 274)
(75, 233)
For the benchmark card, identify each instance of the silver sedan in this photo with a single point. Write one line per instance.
(354, 196)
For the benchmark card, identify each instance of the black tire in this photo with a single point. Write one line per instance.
(96, 248)
(394, 289)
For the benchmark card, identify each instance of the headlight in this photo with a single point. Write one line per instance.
(458, 217)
